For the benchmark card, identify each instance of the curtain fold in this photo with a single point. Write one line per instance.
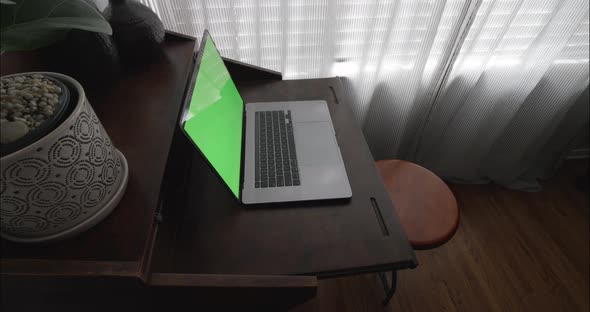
(475, 90)
(523, 65)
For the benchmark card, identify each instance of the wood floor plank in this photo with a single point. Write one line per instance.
(513, 251)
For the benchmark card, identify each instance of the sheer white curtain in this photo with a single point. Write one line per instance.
(519, 71)
(472, 89)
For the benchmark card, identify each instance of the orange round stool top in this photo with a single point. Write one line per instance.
(424, 203)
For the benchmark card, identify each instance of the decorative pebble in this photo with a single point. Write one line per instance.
(26, 102)
(26, 95)
(12, 131)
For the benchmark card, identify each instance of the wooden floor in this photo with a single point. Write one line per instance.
(513, 251)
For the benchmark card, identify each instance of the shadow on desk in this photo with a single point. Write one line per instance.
(317, 204)
(120, 294)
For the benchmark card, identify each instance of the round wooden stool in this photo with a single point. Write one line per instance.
(424, 203)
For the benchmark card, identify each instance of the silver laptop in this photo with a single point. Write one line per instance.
(263, 152)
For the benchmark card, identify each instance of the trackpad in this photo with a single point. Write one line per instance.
(316, 144)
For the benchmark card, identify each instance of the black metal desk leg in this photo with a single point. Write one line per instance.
(389, 291)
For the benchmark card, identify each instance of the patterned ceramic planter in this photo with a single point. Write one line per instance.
(64, 183)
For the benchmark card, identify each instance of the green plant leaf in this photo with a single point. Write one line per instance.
(32, 24)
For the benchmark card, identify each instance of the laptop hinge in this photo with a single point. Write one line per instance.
(242, 150)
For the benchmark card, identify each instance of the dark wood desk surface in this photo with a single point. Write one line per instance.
(206, 231)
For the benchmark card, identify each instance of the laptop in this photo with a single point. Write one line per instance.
(266, 152)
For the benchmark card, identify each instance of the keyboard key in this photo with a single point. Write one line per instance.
(263, 184)
(295, 176)
(272, 183)
(256, 184)
(294, 169)
(296, 182)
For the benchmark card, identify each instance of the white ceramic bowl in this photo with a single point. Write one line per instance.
(65, 182)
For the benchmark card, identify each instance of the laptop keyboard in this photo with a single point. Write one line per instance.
(276, 158)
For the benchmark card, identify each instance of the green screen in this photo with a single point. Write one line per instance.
(214, 119)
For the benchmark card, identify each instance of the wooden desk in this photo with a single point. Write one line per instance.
(208, 246)
(206, 231)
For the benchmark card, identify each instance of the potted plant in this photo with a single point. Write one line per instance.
(59, 171)
(71, 37)
(33, 24)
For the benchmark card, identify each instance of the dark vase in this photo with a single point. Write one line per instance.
(137, 30)
(89, 57)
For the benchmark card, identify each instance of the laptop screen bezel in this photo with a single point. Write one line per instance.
(189, 89)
